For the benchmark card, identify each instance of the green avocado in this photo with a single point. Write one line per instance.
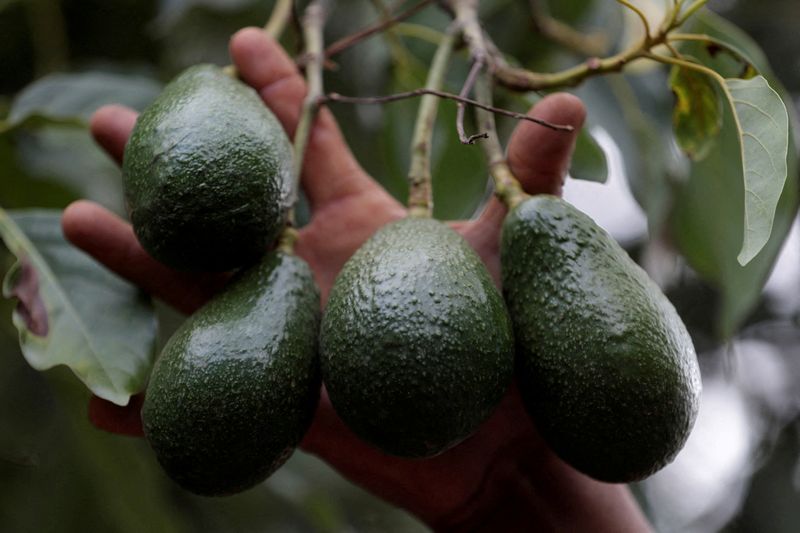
(415, 343)
(605, 366)
(207, 173)
(236, 387)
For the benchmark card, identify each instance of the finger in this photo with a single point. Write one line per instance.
(538, 157)
(111, 126)
(330, 171)
(111, 241)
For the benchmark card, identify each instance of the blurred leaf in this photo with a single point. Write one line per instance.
(614, 106)
(6, 3)
(589, 161)
(49, 143)
(83, 479)
(70, 157)
(171, 11)
(200, 34)
(459, 172)
(73, 312)
(19, 189)
(72, 98)
(697, 115)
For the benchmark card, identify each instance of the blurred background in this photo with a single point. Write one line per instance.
(60, 60)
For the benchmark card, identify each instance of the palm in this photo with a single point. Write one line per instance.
(347, 207)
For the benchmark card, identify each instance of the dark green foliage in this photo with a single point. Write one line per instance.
(237, 385)
(416, 347)
(207, 173)
(605, 366)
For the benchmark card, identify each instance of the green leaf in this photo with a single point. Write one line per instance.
(763, 125)
(73, 312)
(707, 220)
(697, 113)
(71, 99)
(589, 162)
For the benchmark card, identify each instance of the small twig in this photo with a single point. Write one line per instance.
(477, 66)
(350, 40)
(506, 186)
(336, 97)
(313, 22)
(420, 195)
(466, 14)
(695, 6)
(639, 14)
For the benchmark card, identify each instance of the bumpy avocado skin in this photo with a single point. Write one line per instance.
(415, 343)
(236, 386)
(207, 173)
(605, 366)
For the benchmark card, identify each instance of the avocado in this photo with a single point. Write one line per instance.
(207, 173)
(605, 366)
(236, 386)
(415, 342)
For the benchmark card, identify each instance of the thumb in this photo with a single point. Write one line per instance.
(540, 157)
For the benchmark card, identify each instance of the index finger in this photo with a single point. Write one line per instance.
(330, 171)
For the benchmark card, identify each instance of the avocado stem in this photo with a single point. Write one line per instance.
(287, 240)
(420, 196)
(313, 22)
(506, 186)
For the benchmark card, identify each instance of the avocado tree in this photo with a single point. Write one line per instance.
(681, 103)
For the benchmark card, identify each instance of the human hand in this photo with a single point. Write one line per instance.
(503, 478)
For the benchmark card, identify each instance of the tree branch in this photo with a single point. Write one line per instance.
(506, 186)
(420, 196)
(313, 22)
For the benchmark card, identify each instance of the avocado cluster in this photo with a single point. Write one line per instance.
(416, 347)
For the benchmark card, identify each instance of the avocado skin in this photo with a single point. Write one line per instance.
(415, 343)
(605, 366)
(207, 173)
(236, 387)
